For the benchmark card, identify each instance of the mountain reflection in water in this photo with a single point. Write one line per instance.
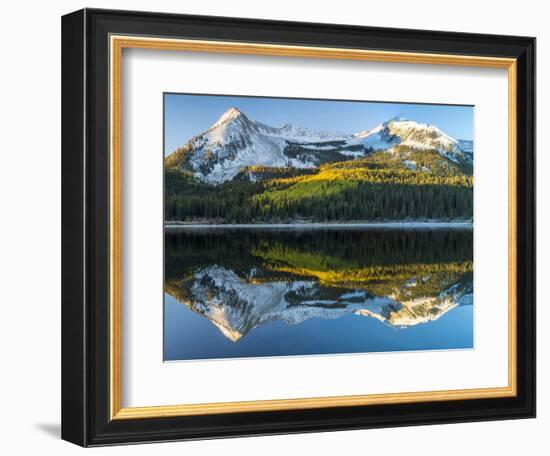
(242, 280)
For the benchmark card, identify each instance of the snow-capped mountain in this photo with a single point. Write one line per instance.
(413, 135)
(236, 305)
(235, 142)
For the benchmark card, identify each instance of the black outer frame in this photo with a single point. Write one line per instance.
(85, 227)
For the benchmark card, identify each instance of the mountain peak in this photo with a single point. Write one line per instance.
(398, 119)
(231, 114)
(235, 142)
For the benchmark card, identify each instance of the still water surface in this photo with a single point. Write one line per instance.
(278, 292)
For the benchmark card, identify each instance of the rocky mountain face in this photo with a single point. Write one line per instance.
(235, 142)
(236, 304)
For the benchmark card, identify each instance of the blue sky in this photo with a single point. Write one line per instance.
(189, 115)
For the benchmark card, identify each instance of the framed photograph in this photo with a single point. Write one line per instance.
(278, 227)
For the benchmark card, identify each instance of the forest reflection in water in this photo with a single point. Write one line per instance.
(272, 292)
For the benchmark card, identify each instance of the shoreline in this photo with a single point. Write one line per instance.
(343, 225)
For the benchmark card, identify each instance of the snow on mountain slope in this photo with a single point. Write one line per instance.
(414, 135)
(235, 142)
(378, 138)
(231, 143)
(298, 134)
(236, 305)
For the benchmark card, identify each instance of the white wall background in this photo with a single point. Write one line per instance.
(30, 191)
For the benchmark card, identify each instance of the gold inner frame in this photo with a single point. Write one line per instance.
(117, 44)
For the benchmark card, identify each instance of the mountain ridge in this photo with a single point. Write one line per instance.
(244, 171)
(236, 305)
(235, 142)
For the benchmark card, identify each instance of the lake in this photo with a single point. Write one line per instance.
(253, 292)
